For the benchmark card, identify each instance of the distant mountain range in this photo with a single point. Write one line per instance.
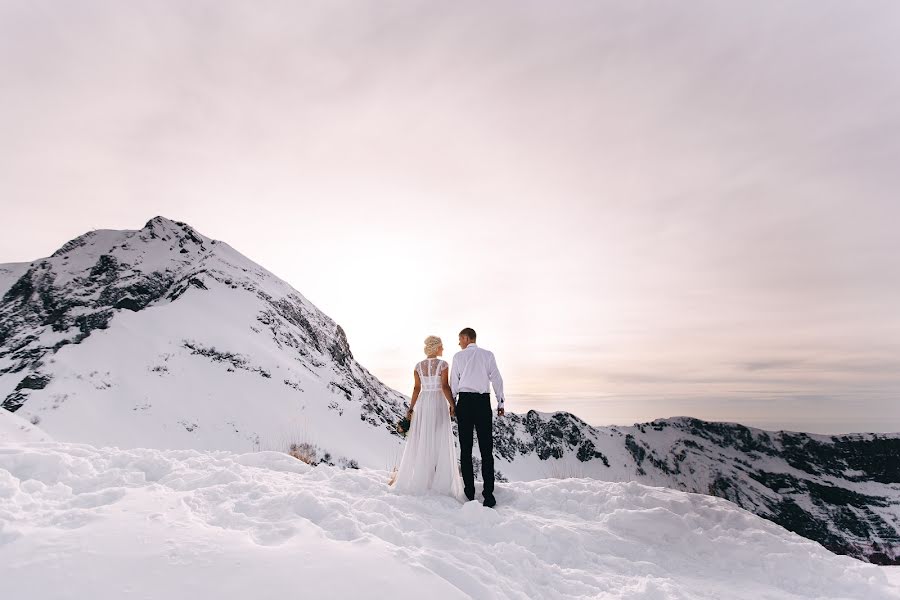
(164, 338)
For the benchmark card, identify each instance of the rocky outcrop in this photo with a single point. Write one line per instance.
(80, 289)
(841, 491)
(72, 299)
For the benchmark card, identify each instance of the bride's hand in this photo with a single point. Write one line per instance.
(452, 411)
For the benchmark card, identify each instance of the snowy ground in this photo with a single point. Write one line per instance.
(893, 575)
(13, 428)
(81, 522)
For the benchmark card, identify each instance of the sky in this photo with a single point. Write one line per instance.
(645, 209)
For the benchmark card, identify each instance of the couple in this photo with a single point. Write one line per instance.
(429, 462)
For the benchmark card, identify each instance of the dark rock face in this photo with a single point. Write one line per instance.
(587, 451)
(136, 293)
(316, 338)
(77, 308)
(553, 437)
(33, 381)
(841, 491)
(340, 348)
(73, 244)
(834, 490)
(877, 456)
(236, 361)
(182, 234)
(74, 302)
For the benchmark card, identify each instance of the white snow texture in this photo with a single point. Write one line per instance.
(81, 522)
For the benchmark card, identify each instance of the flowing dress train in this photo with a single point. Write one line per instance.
(429, 464)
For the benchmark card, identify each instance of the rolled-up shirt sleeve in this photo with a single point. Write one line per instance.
(496, 380)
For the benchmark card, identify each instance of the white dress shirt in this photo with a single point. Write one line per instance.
(474, 370)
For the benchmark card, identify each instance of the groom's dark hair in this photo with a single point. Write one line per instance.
(468, 331)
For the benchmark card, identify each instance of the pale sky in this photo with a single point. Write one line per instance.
(646, 209)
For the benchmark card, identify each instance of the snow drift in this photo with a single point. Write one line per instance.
(17, 429)
(83, 522)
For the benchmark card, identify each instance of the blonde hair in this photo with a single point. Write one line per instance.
(432, 343)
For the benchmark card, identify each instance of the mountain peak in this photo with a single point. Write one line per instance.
(161, 220)
(198, 301)
(166, 229)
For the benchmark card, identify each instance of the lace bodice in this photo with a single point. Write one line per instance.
(430, 371)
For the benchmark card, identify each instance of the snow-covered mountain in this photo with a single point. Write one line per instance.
(842, 491)
(164, 338)
(78, 521)
(16, 429)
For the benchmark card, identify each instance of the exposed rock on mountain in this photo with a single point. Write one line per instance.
(193, 332)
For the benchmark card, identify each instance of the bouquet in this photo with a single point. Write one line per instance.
(404, 424)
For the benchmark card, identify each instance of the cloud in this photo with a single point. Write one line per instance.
(621, 196)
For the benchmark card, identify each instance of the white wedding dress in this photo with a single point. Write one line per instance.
(430, 462)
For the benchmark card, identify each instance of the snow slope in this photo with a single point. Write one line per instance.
(893, 575)
(162, 337)
(842, 491)
(81, 522)
(17, 429)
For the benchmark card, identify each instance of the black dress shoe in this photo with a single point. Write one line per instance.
(490, 501)
(471, 497)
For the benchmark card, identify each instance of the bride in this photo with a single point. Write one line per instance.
(429, 462)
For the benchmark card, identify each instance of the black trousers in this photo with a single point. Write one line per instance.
(473, 411)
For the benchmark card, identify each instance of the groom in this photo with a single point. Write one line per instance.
(473, 370)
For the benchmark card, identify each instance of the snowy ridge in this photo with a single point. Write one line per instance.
(16, 429)
(842, 491)
(242, 523)
(165, 338)
(162, 337)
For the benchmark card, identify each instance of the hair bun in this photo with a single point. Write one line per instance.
(432, 343)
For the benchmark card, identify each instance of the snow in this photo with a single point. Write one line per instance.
(17, 429)
(136, 383)
(893, 575)
(79, 521)
(193, 402)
